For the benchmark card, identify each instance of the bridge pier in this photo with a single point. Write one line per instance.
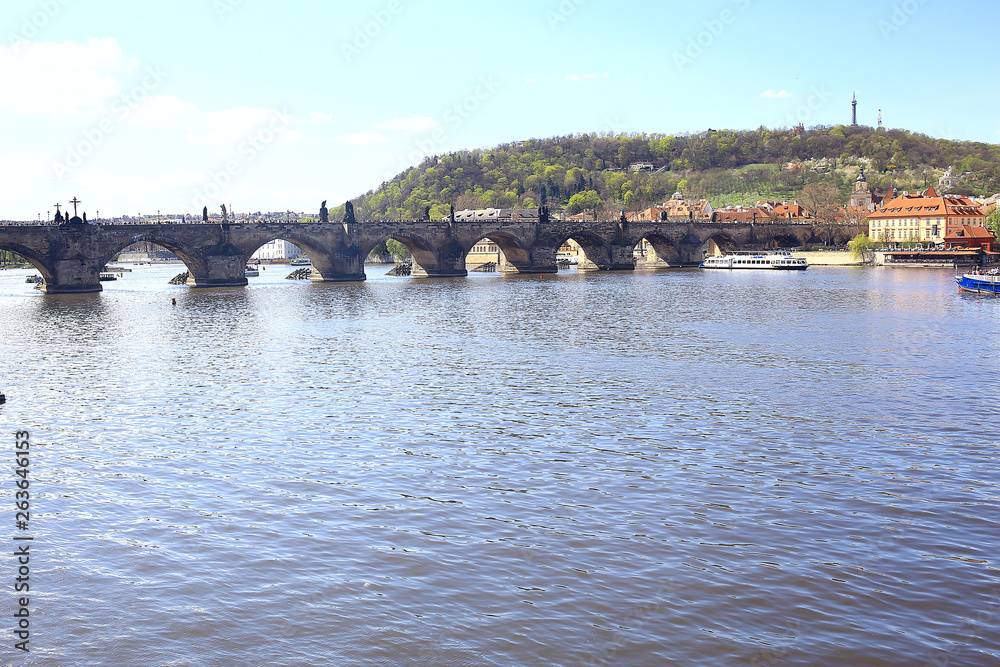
(343, 266)
(218, 271)
(539, 260)
(691, 252)
(446, 262)
(665, 256)
(74, 276)
(619, 258)
(72, 261)
(654, 260)
(508, 269)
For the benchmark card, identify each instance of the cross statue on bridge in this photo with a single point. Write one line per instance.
(57, 208)
(74, 201)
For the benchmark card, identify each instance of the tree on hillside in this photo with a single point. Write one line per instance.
(823, 200)
(724, 165)
(824, 203)
(587, 200)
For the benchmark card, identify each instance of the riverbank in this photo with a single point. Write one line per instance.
(845, 258)
(829, 258)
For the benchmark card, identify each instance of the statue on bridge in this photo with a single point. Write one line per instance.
(204, 214)
(543, 214)
(349, 213)
(76, 219)
(452, 214)
(324, 213)
(427, 214)
(225, 213)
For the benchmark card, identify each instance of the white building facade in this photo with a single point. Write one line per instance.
(277, 249)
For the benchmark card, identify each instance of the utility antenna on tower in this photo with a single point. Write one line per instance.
(854, 111)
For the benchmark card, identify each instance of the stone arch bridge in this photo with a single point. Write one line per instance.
(71, 256)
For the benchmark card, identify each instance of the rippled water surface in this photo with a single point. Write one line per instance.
(690, 468)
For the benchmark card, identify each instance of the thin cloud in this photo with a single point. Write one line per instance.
(574, 78)
(771, 94)
(414, 124)
(364, 138)
(224, 128)
(67, 80)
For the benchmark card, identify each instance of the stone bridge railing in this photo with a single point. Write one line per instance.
(71, 256)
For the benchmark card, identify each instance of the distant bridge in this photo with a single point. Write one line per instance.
(70, 256)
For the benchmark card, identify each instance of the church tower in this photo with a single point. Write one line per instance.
(862, 196)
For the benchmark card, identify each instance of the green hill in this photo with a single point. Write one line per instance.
(591, 171)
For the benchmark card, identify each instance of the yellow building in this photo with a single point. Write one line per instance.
(923, 218)
(487, 251)
(569, 250)
(482, 253)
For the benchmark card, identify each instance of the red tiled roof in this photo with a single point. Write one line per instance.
(967, 232)
(742, 215)
(918, 206)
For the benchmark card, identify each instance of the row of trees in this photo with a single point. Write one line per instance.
(8, 258)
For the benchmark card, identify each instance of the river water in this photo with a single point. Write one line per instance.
(683, 467)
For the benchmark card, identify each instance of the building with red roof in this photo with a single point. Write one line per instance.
(973, 238)
(923, 218)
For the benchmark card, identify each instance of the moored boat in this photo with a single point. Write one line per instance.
(301, 260)
(767, 259)
(250, 271)
(979, 283)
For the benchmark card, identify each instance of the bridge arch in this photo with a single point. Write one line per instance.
(325, 267)
(429, 260)
(191, 258)
(34, 258)
(515, 257)
(418, 246)
(313, 249)
(720, 243)
(658, 251)
(596, 250)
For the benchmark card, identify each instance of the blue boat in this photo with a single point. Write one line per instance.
(979, 283)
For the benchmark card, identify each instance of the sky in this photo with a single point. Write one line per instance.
(138, 108)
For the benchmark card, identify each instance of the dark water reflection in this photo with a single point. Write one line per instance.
(650, 468)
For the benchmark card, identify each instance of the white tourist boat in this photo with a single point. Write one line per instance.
(301, 260)
(767, 259)
(251, 271)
